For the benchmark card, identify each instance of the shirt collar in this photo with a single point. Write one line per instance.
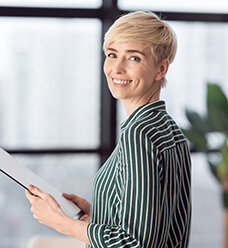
(142, 111)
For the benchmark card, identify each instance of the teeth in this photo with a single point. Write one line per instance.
(121, 81)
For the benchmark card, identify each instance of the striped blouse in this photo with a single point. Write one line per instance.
(142, 194)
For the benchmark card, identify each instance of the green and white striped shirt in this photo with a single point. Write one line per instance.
(142, 194)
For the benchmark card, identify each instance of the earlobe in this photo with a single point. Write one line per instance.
(162, 69)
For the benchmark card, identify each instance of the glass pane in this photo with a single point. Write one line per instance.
(49, 82)
(53, 3)
(176, 5)
(207, 210)
(201, 58)
(68, 173)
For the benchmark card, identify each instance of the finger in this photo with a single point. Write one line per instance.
(85, 218)
(70, 197)
(28, 195)
(75, 199)
(35, 191)
(31, 197)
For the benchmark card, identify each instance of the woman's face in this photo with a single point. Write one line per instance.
(130, 72)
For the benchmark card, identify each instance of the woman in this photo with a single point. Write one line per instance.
(141, 195)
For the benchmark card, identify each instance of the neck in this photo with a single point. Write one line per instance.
(131, 105)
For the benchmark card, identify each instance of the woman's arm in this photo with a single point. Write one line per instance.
(48, 212)
(135, 198)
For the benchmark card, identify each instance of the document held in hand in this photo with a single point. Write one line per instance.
(24, 177)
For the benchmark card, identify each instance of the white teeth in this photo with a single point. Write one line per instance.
(121, 81)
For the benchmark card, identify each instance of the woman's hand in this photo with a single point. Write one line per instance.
(45, 209)
(48, 212)
(81, 203)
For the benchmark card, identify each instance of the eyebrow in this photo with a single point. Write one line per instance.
(128, 51)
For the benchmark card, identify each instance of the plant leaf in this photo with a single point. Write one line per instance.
(213, 169)
(217, 105)
(197, 139)
(224, 153)
(199, 123)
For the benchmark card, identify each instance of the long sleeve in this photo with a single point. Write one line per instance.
(141, 195)
(141, 198)
(138, 190)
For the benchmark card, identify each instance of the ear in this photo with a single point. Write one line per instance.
(162, 69)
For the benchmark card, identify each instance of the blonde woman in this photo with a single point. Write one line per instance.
(142, 194)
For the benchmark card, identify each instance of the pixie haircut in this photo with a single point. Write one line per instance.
(147, 28)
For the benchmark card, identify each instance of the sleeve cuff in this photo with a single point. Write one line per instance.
(95, 234)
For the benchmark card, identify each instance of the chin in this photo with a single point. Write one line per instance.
(117, 96)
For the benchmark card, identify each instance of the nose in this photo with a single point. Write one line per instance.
(119, 66)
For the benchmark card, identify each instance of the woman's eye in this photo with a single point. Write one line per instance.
(134, 58)
(111, 55)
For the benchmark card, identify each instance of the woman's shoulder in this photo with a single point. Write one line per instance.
(143, 127)
(137, 133)
(158, 128)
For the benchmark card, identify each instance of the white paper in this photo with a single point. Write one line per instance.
(25, 177)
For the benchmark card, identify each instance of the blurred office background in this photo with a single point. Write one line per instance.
(58, 118)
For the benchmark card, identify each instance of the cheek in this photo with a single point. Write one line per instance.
(149, 75)
(139, 75)
(106, 68)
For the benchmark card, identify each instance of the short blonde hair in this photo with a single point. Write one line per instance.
(145, 27)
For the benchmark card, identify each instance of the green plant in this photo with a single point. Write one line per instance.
(203, 127)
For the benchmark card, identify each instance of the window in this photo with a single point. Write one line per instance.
(50, 83)
(200, 59)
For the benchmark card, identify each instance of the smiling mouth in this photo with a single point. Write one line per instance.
(121, 82)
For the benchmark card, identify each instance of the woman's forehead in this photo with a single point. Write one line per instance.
(129, 45)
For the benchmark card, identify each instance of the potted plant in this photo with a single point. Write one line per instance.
(201, 130)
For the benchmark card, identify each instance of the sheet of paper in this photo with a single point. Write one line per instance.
(24, 176)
